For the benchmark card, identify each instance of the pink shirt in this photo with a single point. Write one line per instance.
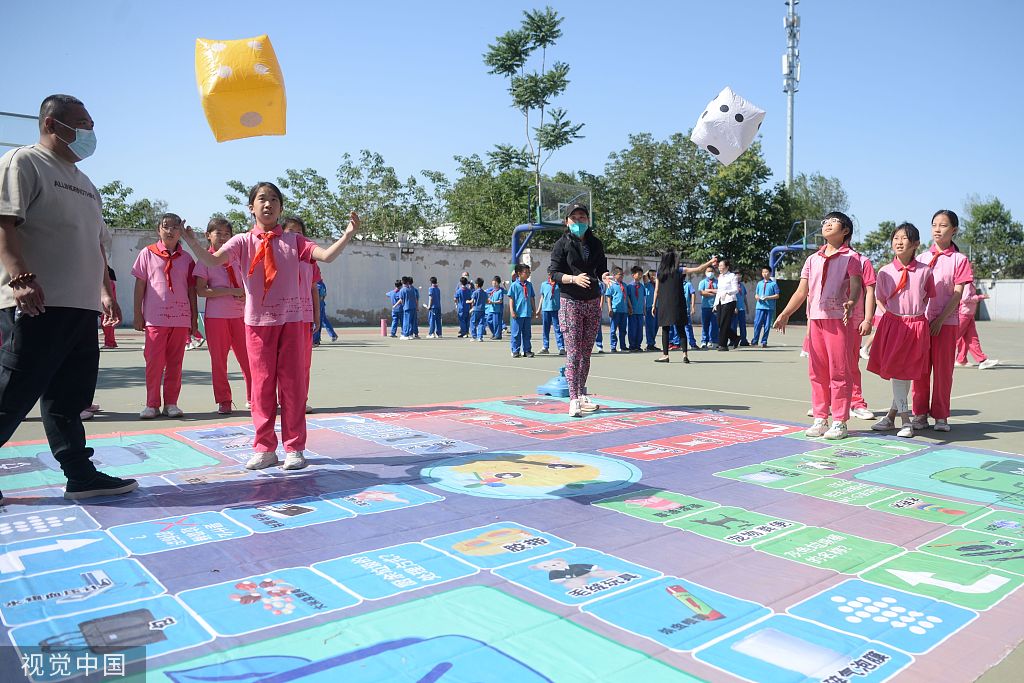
(867, 274)
(308, 274)
(162, 306)
(826, 302)
(969, 301)
(217, 278)
(913, 299)
(951, 268)
(285, 300)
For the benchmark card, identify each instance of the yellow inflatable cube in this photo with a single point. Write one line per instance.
(241, 87)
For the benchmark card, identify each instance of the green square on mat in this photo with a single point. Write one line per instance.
(735, 525)
(890, 447)
(768, 476)
(1000, 523)
(967, 585)
(931, 508)
(828, 549)
(656, 505)
(978, 548)
(845, 491)
(862, 455)
(818, 463)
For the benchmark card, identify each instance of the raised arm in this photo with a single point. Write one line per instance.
(330, 253)
(217, 258)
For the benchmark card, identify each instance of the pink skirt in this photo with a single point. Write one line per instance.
(900, 348)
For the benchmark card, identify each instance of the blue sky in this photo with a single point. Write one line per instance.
(914, 105)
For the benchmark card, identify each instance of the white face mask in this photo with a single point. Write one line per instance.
(84, 144)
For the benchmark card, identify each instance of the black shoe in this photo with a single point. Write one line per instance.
(722, 348)
(686, 360)
(528, 354)
(744, 343)
(561, 352)
(544, 350)
(98, 485)
(663, 359)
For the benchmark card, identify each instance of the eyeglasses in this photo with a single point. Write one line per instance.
(830, 220)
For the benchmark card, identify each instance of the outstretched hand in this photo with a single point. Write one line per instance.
(780, 323)
(353, 222)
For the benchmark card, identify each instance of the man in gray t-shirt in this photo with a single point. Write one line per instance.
(53, 284)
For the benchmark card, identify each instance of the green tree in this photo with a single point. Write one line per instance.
(653, 193)
(387, 205)
(485, 201)
(120, 212)
(996, 240)
(877, 244)
(532, 91)
(742, 217)
(813, 196)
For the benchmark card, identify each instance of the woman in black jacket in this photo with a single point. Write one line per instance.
(669, 301)
(577, 264)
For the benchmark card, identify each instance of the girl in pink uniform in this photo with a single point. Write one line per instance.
(830, 283)
(165, 309)
(276, 335)
(901, 347)
(221, 286)
(951, 271)
(967, 334)
(309, 274)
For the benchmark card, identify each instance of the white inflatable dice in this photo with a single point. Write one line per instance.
(727, 126)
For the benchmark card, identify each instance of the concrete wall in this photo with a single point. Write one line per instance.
(365, 271)
(1006, 303)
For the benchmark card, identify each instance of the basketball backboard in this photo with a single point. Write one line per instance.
(17, 130)
(557, 198)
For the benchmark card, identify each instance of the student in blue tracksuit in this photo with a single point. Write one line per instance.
(690, 302)
(396, 313)
(434, 310)
(462, 302)
(739, 321)
(618, 310)
(415, 309)
(767, 295)
(650, 319)
(406, 303)
(520, 308)
(550, 301)
(605, 281)
(637, 302)
(496, 302)
(708, 322)
(477, 311)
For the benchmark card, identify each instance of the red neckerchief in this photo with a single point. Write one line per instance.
(905, 271)
(168, 258)
(231, 271)
(266, 254)
(828, 259)
(936, 253)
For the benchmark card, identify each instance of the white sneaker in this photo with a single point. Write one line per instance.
(294, 460)
(884, 425)
(941, 426)
(309, 409)
(574, 408)
(587, 405)
(804, 354)
(988, 363)
(173, 411)
(148, 413)
(862, 413)
(965, 364)
(864, 353)
(404, 338)
(810, 412)
(817, 429)
(906, 431)
(836, 431)
(430, 336)
(248, 405)
(919, 421)
(260, 461)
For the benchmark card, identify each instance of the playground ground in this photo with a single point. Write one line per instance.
(363, 371)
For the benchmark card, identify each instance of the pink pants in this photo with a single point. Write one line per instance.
(309, 359)
(277, 360)
(165, 349)
(223, 335)
(830, 355)
(967, 340)
(940, 371)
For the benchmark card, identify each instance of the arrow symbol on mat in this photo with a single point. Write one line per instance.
(985, 584)
(11, 560)
(773, 429)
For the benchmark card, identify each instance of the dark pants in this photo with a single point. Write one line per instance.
(53, 358)
(725, 332)
(666, 338)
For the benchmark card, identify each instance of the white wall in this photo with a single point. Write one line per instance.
(358, 281)
(1006, 302)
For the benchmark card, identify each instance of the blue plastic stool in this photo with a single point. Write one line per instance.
(556, 386)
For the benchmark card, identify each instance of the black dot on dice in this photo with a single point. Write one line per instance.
(759, 125)
(713, 149)
(704, 114)
(739, 118)
(724, 108)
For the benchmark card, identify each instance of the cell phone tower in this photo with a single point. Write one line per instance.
(790, 78)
